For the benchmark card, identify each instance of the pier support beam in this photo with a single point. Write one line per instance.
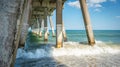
(9, 18)
(17, 38)
(45, 25)
(59, 34)
(52, 26)
(34, 26)
(87, 22)
(40, 26)
(25, 25)
(23, 18)
(64, 32)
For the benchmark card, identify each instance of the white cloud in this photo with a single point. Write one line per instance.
(98, 5)
(74, 4)
(96, 1)
(91, 3)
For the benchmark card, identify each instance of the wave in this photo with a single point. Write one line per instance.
(69, 49)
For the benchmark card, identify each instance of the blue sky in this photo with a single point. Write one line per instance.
(104, 14)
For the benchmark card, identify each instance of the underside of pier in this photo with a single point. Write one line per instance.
(16, 16)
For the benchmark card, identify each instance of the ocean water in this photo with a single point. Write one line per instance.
(74, 53)
(109, 36)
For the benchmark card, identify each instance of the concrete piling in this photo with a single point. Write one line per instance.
(59, 34)
(45, 25)
(52, 26)
(87, 22)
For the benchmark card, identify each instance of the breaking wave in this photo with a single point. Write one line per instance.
(73, 54)
(69, 49)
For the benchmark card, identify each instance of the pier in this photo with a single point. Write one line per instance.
(18, 15)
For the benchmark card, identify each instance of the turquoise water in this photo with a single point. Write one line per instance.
(100, 35)
(108, 36)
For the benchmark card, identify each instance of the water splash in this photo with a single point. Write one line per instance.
(70, 48)
(73, 54)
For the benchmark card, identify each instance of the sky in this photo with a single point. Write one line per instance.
(104, 14)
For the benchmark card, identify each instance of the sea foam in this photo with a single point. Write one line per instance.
(69, 49)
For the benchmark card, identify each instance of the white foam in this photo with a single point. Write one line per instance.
(69, 49)
(99, 42)
(38, 53)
